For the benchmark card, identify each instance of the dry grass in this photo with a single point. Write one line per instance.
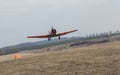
(102, 59)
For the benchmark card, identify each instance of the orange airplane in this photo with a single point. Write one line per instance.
(52, 33)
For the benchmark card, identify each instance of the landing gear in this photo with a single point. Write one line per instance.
(49, 39)
(59, 37)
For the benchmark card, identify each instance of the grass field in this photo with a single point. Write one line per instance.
(99, 59)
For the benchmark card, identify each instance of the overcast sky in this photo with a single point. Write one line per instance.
(20, 18)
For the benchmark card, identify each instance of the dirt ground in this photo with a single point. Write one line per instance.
(10, 57)
(99, 59)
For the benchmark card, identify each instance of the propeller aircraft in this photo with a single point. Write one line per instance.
(52, 33)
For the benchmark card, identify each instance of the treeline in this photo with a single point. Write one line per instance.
(105, 34)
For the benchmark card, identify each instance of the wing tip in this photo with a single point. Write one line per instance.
(29, 37)
(75, 30)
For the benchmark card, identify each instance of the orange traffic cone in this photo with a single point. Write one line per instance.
(17, 56)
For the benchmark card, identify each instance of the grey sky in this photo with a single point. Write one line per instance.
(20, 18)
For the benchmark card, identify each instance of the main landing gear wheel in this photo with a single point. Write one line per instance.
(59, 38)
(49, 39)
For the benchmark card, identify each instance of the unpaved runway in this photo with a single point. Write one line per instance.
(99, 59)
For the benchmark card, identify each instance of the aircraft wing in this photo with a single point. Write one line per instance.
(64, 33)
(42, 36)
(47, 36)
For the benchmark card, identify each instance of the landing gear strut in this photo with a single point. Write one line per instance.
(59, 38)
(49, 39)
